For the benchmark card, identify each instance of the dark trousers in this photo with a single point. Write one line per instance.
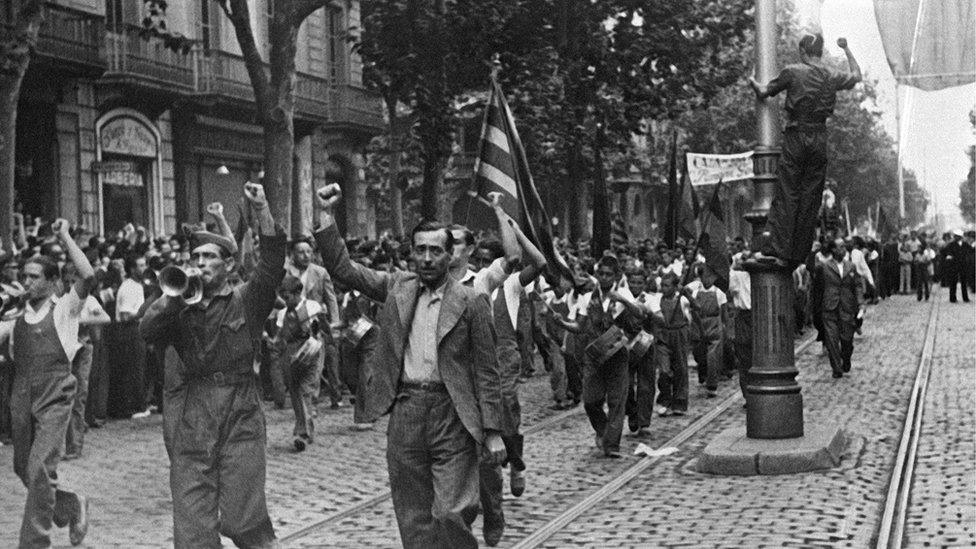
(40, 410)
(491, 483)
(217, 471)
(672, 366)
(607, 383)
(798, 194)
(353, 372)
(743, 345)
(923, 282)
(574, 377)
(708, 360)
(839, 339)
(96, 411)
(640, 393)
(6, 386)
(81, 368)
(433, 466)
(951, 278)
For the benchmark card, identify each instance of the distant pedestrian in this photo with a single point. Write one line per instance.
(953, 265)
(923, 271)
(841, 301)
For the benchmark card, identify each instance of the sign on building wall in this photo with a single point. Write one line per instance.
(128, 136)
(709, 169)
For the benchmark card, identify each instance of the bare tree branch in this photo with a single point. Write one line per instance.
(239, 14)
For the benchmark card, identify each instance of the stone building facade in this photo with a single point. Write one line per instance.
(115, 128)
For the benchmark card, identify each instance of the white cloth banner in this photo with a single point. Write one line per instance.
(709, 169)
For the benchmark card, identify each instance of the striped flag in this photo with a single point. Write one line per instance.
(711, 241)
(502, 166)
(618, 233)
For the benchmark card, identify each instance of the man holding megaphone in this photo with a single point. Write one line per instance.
(213, 423)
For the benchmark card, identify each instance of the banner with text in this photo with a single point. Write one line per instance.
(709, 169)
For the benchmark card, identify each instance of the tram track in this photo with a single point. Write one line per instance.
(378, 499)
(541, 535)
(891, 532)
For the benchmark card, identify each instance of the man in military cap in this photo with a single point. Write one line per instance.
(811, 90)
(213, 423)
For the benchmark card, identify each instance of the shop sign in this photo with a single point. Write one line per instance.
(127, 136)
(123, 179)
(113, 166)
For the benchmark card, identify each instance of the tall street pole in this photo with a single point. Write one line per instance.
(774, 406)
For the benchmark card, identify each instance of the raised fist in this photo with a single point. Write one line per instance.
(842, 43)
(215, 209)
(496, 198)
(254, 192)
(329, 195)
(61, 227)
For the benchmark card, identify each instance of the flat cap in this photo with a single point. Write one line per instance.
(199, 238)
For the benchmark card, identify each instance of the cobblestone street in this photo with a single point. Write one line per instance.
(125, 468)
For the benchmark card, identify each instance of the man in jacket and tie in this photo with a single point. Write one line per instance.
(838, 286)
(434, 370)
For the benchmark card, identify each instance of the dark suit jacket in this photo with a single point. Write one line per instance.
(466, 357)
(838, 292)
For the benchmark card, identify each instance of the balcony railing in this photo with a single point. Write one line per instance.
(356, 106)
(139, 60)
(67, 35)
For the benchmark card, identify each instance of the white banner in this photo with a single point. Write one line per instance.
(708, 169)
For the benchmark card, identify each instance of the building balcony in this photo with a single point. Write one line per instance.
(70, 39)
(356, 108)
(147, 62)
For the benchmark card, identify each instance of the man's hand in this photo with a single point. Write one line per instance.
(614, 295)
(61, 228)
(129, 228)
(496, 199)
(842, 43)
(254, 192)
(495, 448)
(216, 209)
(329, 195)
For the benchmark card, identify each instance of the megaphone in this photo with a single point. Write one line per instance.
(178, 282)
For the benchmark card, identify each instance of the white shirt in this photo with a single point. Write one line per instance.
(67, 315)
(655, 307)
(720, 296)
(513, 291)
(312, 308)
(741, 289)
(92, 312)
(861, 266)
(488, 279)
(129, 298)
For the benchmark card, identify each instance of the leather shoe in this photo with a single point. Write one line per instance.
(300, 444)
(78, 527)
(493, 533)
(517, 482)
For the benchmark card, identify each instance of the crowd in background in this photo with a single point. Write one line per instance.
(126, 376)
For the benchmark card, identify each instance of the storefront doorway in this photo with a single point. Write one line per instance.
(128, 171)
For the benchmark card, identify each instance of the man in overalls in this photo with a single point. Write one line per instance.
(710, 304)
(811, 91)
(213, 421)
(44, 343)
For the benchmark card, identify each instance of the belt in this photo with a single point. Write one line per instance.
(426, 386)
(223, 378)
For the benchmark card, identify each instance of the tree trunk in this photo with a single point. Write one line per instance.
(578, 225)
(393, 178)
(433, 181)
(15, 54)
(279, 150)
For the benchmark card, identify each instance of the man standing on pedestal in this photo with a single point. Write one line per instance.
(811, 90)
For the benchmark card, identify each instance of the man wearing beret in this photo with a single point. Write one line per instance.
(213, 422)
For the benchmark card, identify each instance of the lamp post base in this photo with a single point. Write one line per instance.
(734, 453)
